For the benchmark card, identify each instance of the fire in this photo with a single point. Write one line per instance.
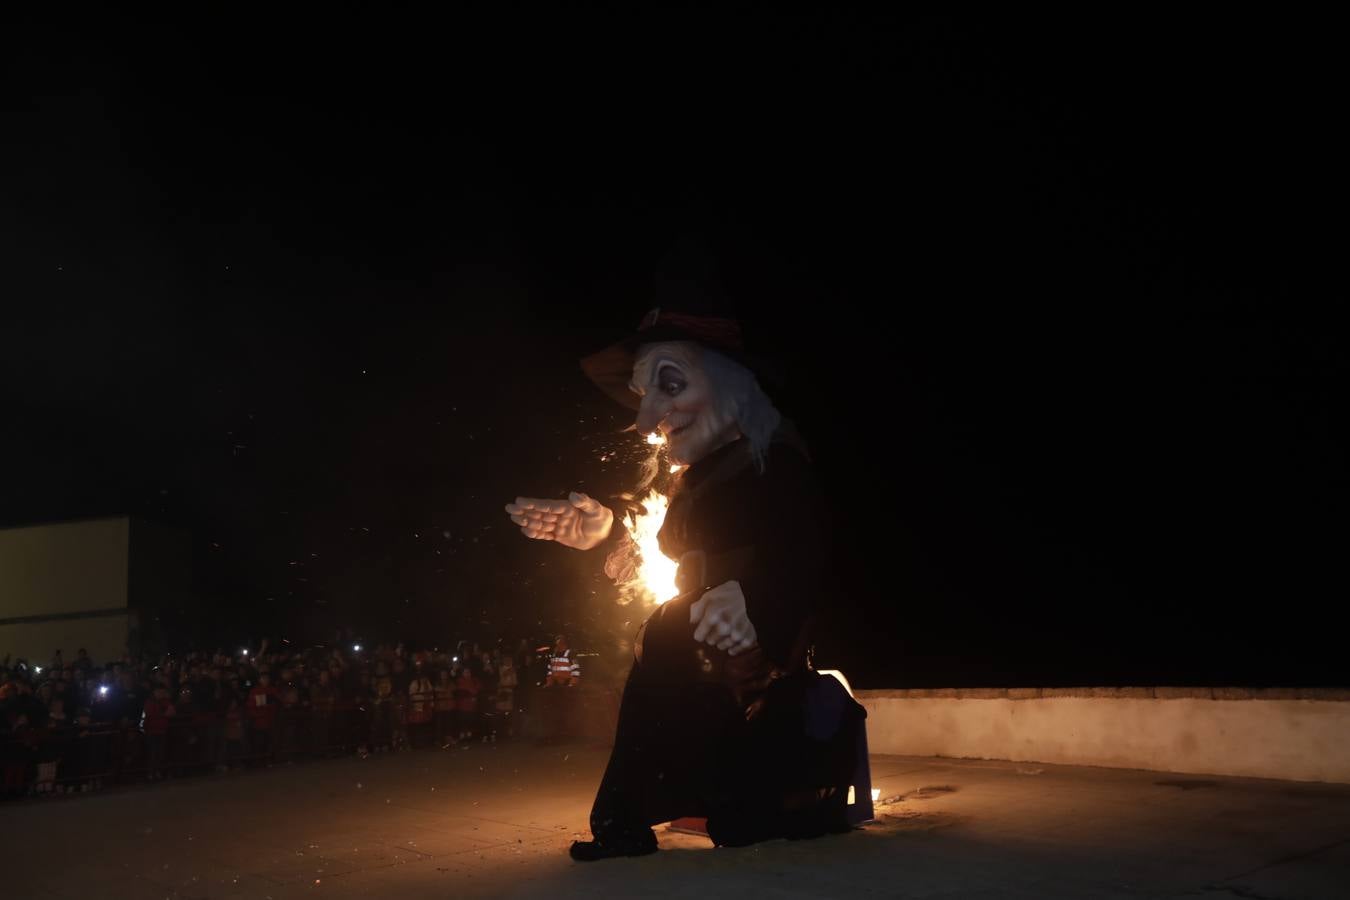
(656, 571)
(654, 579)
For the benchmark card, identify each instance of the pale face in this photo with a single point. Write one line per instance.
(678, 400)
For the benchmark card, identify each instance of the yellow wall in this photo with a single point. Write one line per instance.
(65, 568)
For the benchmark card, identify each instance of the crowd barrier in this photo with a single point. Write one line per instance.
(72, 759)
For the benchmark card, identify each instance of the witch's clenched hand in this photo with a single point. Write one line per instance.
(721, 619)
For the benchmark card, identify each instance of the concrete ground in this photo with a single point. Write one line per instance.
(496, 821)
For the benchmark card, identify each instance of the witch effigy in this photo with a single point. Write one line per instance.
(722, 715)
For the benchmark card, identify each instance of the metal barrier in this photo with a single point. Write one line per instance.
(60, 760)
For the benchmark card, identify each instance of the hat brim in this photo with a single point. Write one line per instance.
(611, 369)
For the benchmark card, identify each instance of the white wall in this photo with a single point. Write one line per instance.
(1301, 735)
(105, 638)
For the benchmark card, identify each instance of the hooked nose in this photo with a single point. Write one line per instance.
(650, 415)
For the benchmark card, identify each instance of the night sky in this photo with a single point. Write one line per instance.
(1043, 289)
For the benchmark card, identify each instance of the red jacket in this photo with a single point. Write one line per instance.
(157, 715)
(466, 692)
(262, 705)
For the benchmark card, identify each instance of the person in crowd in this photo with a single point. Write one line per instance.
(445, 709)
(507, 681)
(159, 710)
(322, 703)
(421, 707)
(234, 735)
(467, 687)
(263, 704)
(400, 679)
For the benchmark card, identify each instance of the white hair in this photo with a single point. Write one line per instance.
(740, 398)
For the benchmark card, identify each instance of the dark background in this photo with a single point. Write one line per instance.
(316, 295)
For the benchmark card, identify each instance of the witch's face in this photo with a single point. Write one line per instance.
(679, 401)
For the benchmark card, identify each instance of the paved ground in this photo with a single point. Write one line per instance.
(496, 821)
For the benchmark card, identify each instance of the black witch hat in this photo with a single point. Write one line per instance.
(690, 304)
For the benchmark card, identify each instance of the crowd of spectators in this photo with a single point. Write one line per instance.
(71, 725)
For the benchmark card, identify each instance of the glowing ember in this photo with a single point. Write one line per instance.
(853, 796)
(655, 438)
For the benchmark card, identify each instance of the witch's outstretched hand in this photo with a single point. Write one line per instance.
(580, 522)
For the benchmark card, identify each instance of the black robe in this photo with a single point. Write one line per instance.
(744, 740)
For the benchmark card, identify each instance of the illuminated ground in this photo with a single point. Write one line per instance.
(496, 821)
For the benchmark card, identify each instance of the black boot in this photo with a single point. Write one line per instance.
(741, 828)
(830, 816)
(754, 821)
(638, 844)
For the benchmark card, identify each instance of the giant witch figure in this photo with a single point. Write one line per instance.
(722, 716)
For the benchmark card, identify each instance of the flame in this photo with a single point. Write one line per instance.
(654, 575)
(656, 571)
